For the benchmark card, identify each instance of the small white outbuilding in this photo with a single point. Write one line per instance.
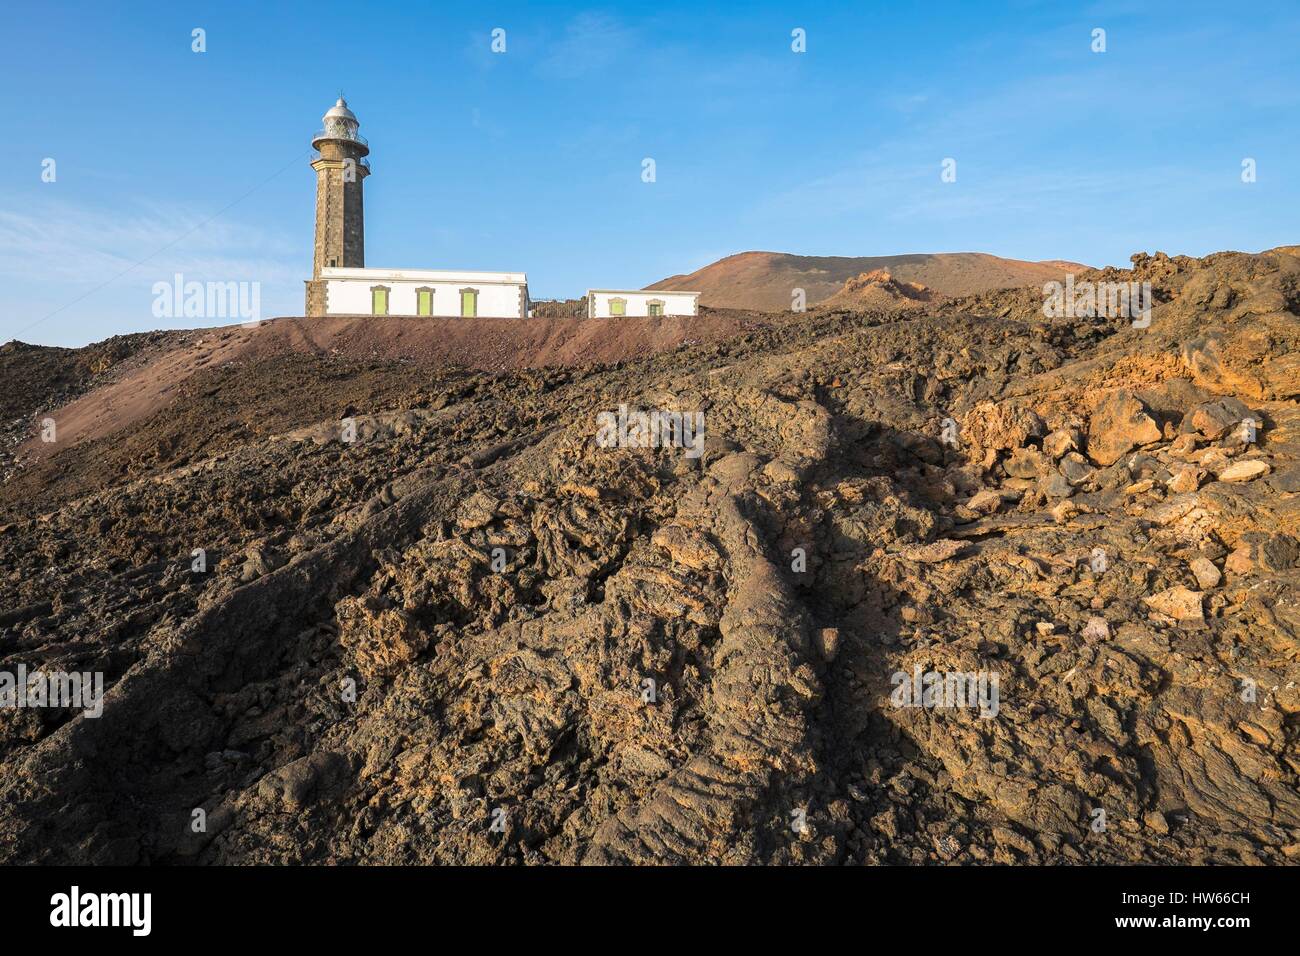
(484, 295)
(617, 303)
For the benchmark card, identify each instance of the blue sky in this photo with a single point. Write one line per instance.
(173, 161)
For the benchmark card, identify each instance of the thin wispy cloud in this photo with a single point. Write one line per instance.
(1025, 151)
(69, 250)
(73, 243)
(591, 42)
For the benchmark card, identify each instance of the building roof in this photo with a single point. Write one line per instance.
(425, 275)
(641, 292)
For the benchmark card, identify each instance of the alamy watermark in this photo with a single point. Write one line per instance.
(133, 911)
(207, 300)
(1090, 300)
(631, 428)
(84, 691)
(943, 690)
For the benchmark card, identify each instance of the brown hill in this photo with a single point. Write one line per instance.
(764, 281)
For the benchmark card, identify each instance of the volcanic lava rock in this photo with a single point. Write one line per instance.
(469, 633)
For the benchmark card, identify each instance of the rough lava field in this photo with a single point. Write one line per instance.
(501, 591)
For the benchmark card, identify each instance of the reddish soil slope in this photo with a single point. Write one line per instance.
(142, 387)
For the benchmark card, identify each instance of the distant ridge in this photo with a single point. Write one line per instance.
(764, 281)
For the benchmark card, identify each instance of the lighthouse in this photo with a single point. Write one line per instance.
(341, 285)
(341, 168)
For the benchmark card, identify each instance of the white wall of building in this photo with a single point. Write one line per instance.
(502, 295)
(637, 302)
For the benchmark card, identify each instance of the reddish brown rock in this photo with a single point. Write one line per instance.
(1213, 420)
(1207, 574)
(1119, 424)
(1180, 603)
(1000, 426)
(1186, 479)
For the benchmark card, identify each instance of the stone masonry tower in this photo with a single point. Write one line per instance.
(341, 166)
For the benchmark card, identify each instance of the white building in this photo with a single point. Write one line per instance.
(616, 303)
(490, 295)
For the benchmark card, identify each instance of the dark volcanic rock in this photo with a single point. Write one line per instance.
(382, 612)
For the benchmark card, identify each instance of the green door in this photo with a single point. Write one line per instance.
(424, 302)
(468, 303)
(379, 301)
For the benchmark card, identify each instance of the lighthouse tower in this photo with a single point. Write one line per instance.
(341, 167)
